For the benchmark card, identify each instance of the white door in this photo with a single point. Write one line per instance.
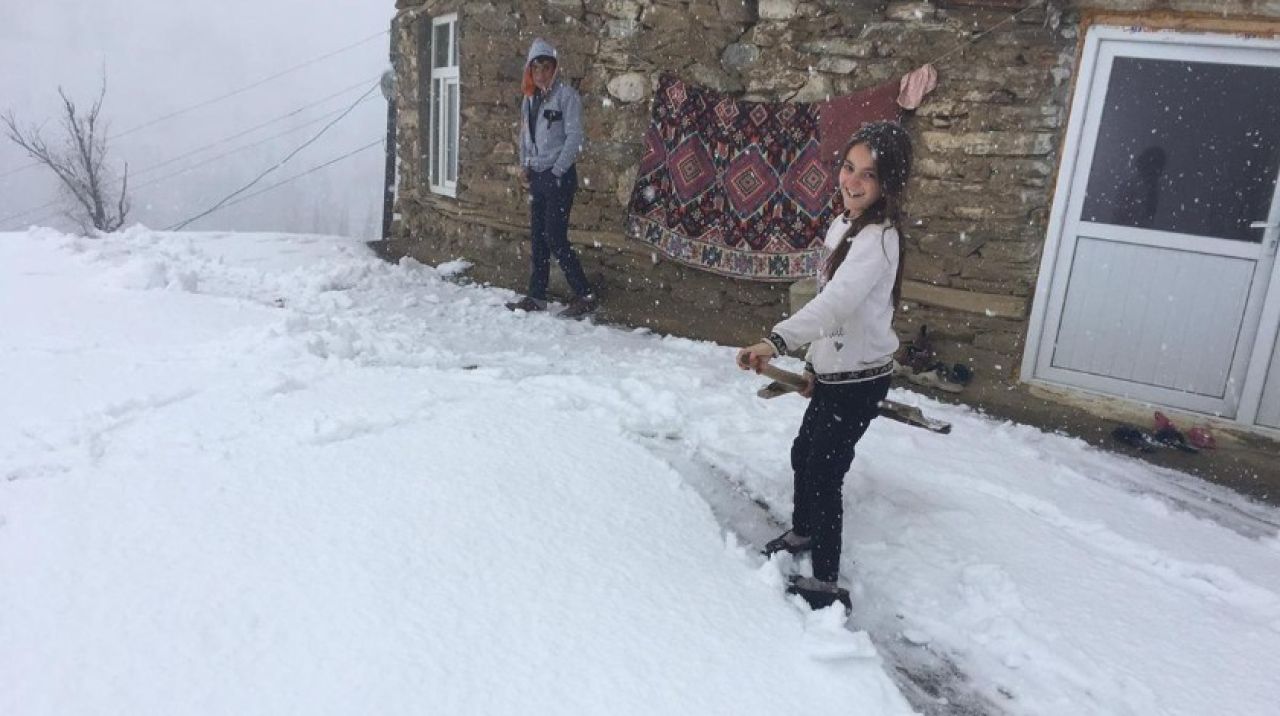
(1158, 263)
(1269, 414)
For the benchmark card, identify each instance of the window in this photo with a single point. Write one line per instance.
(445, 105)
(1169, 158)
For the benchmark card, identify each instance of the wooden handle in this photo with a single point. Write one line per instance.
(784, 376)
(908, 414)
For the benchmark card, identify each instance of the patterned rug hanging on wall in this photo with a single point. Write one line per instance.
(744, 189)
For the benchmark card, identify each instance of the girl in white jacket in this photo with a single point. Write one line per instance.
(848, 328)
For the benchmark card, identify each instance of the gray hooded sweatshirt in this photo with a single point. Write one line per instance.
(555, 139)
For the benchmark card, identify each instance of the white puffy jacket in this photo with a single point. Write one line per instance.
(848, 326)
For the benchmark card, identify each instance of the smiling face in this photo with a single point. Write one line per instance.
(544, 71)
(859, 180)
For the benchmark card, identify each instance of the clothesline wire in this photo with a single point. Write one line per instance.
(966, 43)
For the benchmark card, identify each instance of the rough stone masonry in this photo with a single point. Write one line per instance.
(986, 145)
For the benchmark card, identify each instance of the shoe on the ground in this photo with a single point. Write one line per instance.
(527, 304)
(580, 306)
(1172, 437)
(1133, 437)
(917, 355)
(1200, 437)
(960, 374)
(936, 377)
(819, 594)
(789, 542)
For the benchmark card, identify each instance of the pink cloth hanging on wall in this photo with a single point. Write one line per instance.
(915, 85)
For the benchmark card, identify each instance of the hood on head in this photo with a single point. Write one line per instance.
(539, 48)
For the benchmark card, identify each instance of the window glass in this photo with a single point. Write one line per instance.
(433, 158)
(1186, 147)
(440, 45)
(451, 121)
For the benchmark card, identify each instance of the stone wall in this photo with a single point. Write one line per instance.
(986, 142)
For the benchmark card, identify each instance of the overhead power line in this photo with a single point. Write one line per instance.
(221, 97)
(312, 170)
(282, 182)
(248, 87)
(277, 165)
(237, 150)
(24, 212)
(291, 113)
(261, 125)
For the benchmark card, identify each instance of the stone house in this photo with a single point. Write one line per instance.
(1094, 208)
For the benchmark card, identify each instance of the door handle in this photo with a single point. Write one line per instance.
(1275, 235)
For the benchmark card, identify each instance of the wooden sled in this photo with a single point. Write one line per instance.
(784, 381)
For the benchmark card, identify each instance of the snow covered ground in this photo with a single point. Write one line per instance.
(259, 473)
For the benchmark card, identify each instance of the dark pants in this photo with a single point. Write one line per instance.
(551, 200)
(836, 419)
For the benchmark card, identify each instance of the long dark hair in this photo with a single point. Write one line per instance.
(890, 147)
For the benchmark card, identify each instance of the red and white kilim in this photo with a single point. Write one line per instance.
(744, 189)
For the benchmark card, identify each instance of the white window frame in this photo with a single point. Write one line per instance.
(443, 173)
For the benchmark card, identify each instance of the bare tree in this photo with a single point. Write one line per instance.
(80, 162)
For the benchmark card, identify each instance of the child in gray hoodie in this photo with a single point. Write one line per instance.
(551, 137)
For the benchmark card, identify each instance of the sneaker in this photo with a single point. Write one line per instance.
(1172, 437)
(1168, 434)
(1133, 437)
(527, 304)
(960, 374)
(789, 542)
(819, 594)
(936, 377)
(917, 355)
(581, 306)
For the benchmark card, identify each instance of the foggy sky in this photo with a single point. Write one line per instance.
(161, 56)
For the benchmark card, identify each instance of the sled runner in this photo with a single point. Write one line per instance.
(785, 381)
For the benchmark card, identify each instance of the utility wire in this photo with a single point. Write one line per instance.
(292, 113)
(282, 182)
(42, 219)
(256, 127)
(964, 44)
(219, 98)
(276, 166)
(24, 212)
(312, 170)
(237, 150)
(22, 168)
(246, 88)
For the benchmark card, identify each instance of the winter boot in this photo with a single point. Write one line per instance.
(581, 306)
(527, 304)
(819, 594)
(789, 542)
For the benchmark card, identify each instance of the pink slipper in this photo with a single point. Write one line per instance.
(1201, 437)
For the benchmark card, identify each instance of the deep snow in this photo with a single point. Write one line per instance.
(257, 473)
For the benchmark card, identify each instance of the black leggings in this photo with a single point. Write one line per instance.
(838, 416)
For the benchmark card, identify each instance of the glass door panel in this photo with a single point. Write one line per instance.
(1168, 157)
